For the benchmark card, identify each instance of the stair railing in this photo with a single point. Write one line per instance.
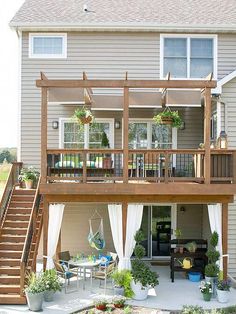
(11, 182)
(31, 231)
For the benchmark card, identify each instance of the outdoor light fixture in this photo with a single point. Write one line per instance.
(182, 209)
(55, 125)
(117, 125)
(182, 126)
(222, 141)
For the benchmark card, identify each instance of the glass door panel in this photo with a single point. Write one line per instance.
(145, 227)
(138, 135)
(161, 230)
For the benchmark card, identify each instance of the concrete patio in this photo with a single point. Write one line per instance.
(167, 296)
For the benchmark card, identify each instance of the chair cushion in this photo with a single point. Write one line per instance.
(65, 164)
(105, 259)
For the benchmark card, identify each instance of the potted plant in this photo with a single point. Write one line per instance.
(178, 234)
(212, 268)
(168, 117)
(223, 290)
(143, 277)
(122, 282)
(83, 115)
(119, 301)
(52, 284)
(206, 290)
(107, 161)
(34, 292)
(101, 304)
(29, 176)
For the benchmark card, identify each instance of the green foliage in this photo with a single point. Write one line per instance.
(167, 113)
(178, 233)
(192, 309)
(127, 310)
(51, 280)
(35, 283)
(224, 285)
(214, 239)
(105, 140)
(123, 278)
(140, 270)
(8, 155)
(81, 113)
(211, 270)
(139, 251)
(213, 256)
(28, 174)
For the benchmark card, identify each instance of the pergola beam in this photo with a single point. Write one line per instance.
(186, 84)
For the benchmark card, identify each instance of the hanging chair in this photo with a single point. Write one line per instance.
(96, 240)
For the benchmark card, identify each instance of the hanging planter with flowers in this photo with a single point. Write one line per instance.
(83, 115)
(168, 117)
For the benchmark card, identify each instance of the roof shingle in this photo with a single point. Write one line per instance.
(136, 12)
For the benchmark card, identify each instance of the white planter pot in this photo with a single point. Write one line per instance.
(140, 292)
(119, 290)
(29, 184)
(35, 301)
(223, 296)
(49, 296)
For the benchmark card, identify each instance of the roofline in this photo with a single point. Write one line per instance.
(154, 27)
(223, 81)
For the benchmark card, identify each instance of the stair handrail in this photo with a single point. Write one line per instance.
(29, 236)
(11, 182)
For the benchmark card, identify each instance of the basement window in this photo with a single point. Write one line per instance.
(47, 46)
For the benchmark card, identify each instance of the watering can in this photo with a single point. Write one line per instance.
(187, 263)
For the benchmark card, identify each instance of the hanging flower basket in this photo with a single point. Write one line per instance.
(168, 117)
(83, 116)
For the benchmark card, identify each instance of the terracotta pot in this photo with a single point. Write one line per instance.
(85, 120)
(181, 249)
(166, 120)
(119, 306)
(101, 307)
(107, 163)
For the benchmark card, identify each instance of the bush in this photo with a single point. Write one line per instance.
(123, 278)
(191, 309)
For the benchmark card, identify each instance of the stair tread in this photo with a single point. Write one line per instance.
(9, 276)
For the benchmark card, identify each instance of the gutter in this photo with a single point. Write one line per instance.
(124, 27)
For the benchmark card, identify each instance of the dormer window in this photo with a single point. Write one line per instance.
(188, 57)
(47, 46)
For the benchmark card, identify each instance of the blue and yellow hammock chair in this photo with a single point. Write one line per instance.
(96, 240)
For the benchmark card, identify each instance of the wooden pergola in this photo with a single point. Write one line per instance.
(71, 193)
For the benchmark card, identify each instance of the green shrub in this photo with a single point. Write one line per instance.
(192, 309)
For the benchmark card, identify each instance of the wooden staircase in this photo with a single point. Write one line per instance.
(21, 225)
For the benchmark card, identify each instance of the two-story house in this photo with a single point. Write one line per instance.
(115, 56)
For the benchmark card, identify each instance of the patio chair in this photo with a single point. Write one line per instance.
(114, 257)
(66, 274)
(103, 273)
(65, 257)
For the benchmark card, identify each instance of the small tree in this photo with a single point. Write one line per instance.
(105, 140)
(212, 268)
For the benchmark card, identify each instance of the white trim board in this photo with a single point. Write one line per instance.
(223, 81)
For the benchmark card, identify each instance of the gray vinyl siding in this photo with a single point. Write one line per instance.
(226, 54)
(229, 98)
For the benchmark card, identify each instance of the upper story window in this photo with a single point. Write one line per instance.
(47, 46)
(188, 56)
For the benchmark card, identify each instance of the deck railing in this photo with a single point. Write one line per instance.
(152, 165)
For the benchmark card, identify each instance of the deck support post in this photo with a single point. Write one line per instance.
(124, 223)
(225, 238)
(45, 231)
(58, 250)
(207, 134)
(44, 105)
(126, 135)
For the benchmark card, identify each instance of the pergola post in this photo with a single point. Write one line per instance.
(44, 105)
(124, 223)
(225, 238)
(207, 134)
(45, 231)
(58, 250)
(125, 135)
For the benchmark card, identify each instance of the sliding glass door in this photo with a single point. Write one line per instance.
(158, 224)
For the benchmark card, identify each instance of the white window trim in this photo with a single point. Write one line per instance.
(63, 55)
(86, 133)
(188, 36)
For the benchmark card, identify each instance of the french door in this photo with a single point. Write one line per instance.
(158, 224)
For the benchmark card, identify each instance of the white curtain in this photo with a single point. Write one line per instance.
(54, 226)
(134, 219)
(115, 216)
(215, 218)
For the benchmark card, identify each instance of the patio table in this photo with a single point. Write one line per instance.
(85, 264)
